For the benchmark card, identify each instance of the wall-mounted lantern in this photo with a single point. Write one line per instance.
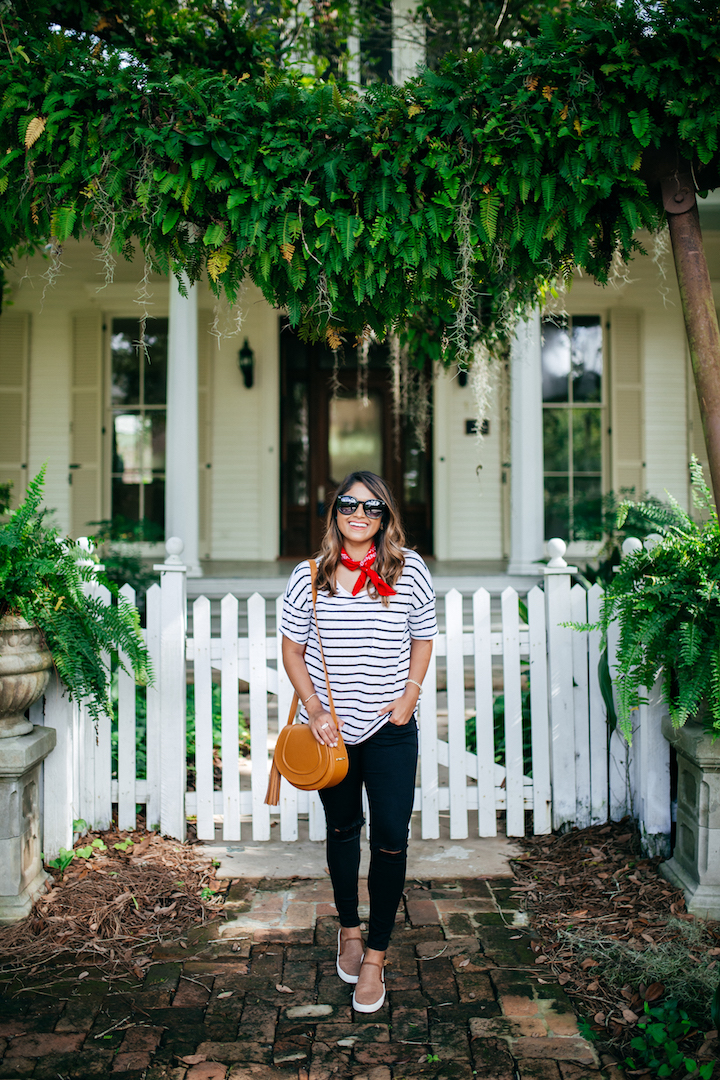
(246, 363)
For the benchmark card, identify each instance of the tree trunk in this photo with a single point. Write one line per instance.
(701, 325)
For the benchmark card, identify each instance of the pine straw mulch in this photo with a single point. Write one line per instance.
(615, 933)
(112, 908)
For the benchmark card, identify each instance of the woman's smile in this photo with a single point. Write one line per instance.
(358, 529)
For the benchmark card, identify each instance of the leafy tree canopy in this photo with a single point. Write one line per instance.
(470, 188)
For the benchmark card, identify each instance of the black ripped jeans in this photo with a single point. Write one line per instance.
(386, 764)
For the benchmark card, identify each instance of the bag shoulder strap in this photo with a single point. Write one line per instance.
(272, 797)
(313, 581)
(296, 698)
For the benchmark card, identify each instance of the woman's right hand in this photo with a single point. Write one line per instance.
(323, 728)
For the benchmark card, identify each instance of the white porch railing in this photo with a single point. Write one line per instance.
(568, 778)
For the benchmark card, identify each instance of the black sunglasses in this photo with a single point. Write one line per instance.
(347, 504)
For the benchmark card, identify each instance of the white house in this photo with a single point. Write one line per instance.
(604, 403)
(238, 463)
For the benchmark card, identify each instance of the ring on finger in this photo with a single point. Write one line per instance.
(323, 726)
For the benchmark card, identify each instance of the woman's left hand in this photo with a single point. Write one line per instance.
(401, 710)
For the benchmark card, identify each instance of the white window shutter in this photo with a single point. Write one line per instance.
(206, 341)
(627, 418)
(86, 434)
(14, 339)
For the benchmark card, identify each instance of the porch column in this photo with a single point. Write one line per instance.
(408, 41)
(527, 515)
(181, 449)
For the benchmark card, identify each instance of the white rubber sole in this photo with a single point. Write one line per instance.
(352, 979)
(375, 1006)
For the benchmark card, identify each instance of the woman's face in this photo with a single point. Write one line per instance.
(357, 528)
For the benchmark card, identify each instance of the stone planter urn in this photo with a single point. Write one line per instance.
(695, 862)
(25, 665)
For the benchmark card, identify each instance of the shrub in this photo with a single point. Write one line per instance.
(43, 578)
(666, 600)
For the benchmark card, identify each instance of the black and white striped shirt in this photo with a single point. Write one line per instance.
(366, 645)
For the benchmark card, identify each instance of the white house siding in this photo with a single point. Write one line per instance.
(663, 352)
(246, 468)
(468, 490)
(49, 382)
(242, 497)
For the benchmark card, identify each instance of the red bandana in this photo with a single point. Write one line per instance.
(366, 571)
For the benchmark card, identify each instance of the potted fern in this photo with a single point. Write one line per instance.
(665, 599)
(49, 619)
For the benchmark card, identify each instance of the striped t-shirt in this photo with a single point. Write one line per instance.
(366, 645)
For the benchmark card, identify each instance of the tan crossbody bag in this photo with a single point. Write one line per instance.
(299, 757)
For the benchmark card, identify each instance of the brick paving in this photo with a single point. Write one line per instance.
(257, 998)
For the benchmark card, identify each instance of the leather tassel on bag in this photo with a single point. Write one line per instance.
(272, 798)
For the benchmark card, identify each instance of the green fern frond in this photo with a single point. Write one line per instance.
(43, 577)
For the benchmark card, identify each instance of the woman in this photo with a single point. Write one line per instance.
(376, 614)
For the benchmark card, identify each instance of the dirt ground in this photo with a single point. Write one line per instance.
(616, 934)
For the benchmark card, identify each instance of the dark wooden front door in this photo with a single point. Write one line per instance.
(326, 435)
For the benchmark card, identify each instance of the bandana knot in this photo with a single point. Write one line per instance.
(366, 571)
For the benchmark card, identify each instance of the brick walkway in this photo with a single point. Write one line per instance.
(465, 1000)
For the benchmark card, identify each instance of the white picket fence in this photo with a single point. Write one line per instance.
(573, 780)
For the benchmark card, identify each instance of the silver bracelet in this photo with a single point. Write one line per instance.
(310, 698)
(415, 683)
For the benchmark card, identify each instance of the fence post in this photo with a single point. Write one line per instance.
(288, 793)
(457, 771)
(484, 726)
(127, 729)
(514, 784)
(430, 820)
(620, 753)
(560, 684)
(153, 619)
(171, 683)
(229, 709)
(59, 808)
(653, 777)
(581, 707)
(542, 791)
(94, 746)
(598, 718)
(257, 651)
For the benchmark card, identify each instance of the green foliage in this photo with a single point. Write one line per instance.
(666, 601)
(243, 730)
(658, 1047)
(681, 962)
(473, 186)
(499, 732)
(141, 728)
(620, 518)
(5, 490)
(43, 579)
(63, 860)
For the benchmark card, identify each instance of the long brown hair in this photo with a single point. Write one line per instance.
(389, 541)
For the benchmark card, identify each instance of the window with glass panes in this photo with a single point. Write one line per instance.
(138, 401)
(573, 410)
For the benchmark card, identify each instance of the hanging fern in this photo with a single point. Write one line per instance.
(666, 602)
(43, 580)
